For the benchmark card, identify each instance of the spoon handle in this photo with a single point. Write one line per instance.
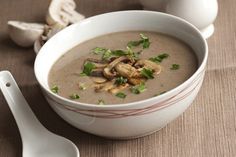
(27, 122)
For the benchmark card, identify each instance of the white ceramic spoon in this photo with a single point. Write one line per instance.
(37, 140)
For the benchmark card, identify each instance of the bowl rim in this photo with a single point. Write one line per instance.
(200, 68)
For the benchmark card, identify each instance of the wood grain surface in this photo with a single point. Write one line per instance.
(206, 129)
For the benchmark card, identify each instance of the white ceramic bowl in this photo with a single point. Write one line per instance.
(132, 119)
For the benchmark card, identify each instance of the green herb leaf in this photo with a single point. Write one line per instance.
(132, 44)
(107, 55)
(74, 96)
(121, 95)
(163, 56)
(101, 102)
(145, 41)
(132, 54)
(148, 73)
(175, 67)
(155, 59)
(143, 36)
(119, 52)
(82, 74)
(113, 53)
(159, 58)
(88, 67)
(138, 88)
(120, 80)
(99, 50)
(82, 86)
(55, 89)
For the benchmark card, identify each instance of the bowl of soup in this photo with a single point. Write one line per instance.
(122, 74)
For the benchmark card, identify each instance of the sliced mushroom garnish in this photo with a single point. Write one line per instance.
(126, 70)
(99, 80)
(24, 34)
(136, 81)
(118, 88)
(143, 63)
(107, 72)
(97, 73)
(63, 12)
(104, 86)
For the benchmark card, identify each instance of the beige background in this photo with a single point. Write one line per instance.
(206, 129)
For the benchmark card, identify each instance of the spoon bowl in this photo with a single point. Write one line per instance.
(51, 145)
(37, 140)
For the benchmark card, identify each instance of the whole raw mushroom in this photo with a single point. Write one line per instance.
(63, 12)
(25, 34)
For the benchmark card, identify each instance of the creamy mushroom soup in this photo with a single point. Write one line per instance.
(122, 67)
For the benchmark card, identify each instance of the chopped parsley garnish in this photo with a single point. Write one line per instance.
(55, 89)
(107, 55)
(131, 53)
(121, 95)
(175, 67)
(144, 41)
(99, 50)
(113, 53)
(88, 67)
(120, 80)
(82, 86)
(119, 52)
(159, 58)
(74, 96)
(155, 59)
(133, 43)
(101, 102)
(163, 56)
(148, 73)
(138, 88)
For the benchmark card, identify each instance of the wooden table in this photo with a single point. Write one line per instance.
(206, 129)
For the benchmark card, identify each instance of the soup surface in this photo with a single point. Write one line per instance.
(122, 67)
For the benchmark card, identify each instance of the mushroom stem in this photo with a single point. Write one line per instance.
(104, 86)
(148, 64)
(99, 80)
(72, 15)
(136, 81)
(118, 88)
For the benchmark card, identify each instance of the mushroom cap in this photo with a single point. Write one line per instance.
(24, 34)
(62, 12)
